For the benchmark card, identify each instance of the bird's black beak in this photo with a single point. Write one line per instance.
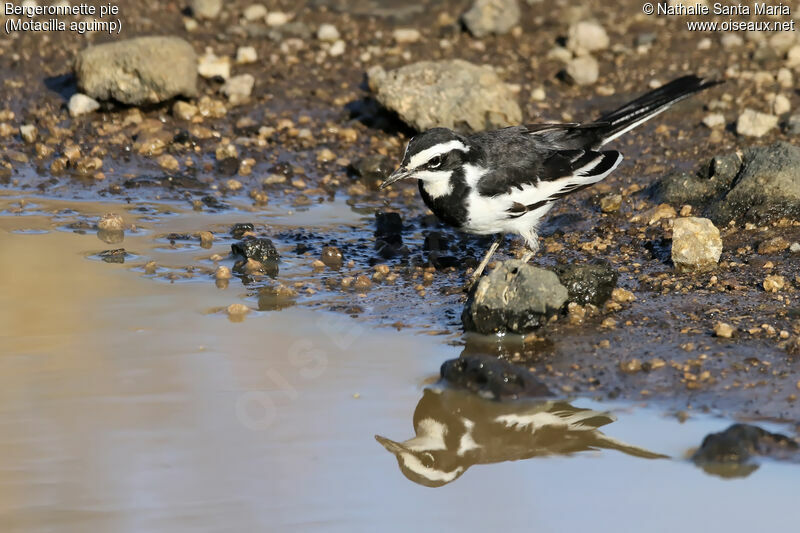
(397, 175)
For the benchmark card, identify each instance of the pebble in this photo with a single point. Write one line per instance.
(559, 53)
(184, 110)
(752, 123)
(611, 203)
(237, 310)
(538, 94)
(714, 120)
(774, 283)
(29, 133)
(731, 40)
(328, 33)
(487, 17)
(631, 367)
(622, 296)
(795, 248)
(583, 70)
(206, 239)
(325, 155)
(246, 55)
(337, 48)
(254, 12)
(696, 244)
(723, 330)
(587, 36)
(111, 222)
(239, 88)
(209, 65)
(406, 35)
(361, 283)
(332, 257)
(168, 162)
(207, 9)
(774, 245)
(780, 104)
(80, 104)
(278, 18)
(785, 78)
(223, 272)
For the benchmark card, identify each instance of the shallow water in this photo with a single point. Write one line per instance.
(134, 404)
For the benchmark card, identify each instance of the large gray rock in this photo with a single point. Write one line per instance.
(767, 187)
(487, 17)
(762, 185)
(452, 93)
(144, 70)
(515, 297)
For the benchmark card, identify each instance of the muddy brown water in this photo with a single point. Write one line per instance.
(129, 402)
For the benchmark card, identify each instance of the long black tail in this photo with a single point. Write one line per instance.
(651, 104)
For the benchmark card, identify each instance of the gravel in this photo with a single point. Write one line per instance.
(491, 17)
(696, 244)
(144, 70)
(452, 93)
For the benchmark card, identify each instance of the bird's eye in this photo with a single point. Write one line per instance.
(435, 161)
(427, 460)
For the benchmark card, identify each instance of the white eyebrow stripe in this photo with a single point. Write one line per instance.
(439, 149)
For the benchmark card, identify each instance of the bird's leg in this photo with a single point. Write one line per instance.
(482, 266)
(533, 247)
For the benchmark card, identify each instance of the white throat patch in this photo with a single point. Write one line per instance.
(436, 183)
(419, 159)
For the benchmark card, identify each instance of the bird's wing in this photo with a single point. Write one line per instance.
(532, 184)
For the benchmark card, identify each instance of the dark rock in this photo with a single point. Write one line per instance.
(114, 256)
(697, 190)
(515, 297)
(388, 235)
(240, 228)
(761, 186)
(261, 250)
(332, 257)
(492, 377)
(589, 283)
(729, 453)
(228, 166)
(767, 187)
(436, 242)
(372, 169)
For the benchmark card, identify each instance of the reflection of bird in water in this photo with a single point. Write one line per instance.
(456, 430)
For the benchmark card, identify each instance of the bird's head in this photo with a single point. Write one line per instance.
(432, 157)
(422, 466)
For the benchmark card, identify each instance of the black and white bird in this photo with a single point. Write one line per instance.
(506, 180)
(457, 429)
